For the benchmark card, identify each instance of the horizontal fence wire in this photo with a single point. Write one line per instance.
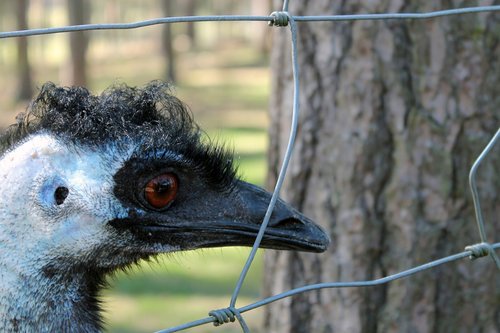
(255, 18)
(352, 284)
(283, 18)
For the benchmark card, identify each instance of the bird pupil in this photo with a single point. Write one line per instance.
(163, 186)
(60, 194)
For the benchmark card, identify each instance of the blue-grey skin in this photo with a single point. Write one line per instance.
(72, 205)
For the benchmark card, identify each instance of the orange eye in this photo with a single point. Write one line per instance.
(160, 191)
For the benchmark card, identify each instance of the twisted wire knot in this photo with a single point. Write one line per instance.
(222, 316)
(479, 250)
(227, 315)
(482, 250)
(279, 19)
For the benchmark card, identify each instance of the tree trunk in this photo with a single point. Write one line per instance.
(79, 13)
(167, 41)
(257, 31)
(190, 30)
(393, 114)
(25, 89)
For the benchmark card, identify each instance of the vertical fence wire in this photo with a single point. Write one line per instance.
(484, 247)
(286, 159)
(282, 19)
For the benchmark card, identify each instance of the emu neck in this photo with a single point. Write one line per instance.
(47, 301)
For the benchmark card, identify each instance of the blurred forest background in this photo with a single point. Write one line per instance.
(220, 70)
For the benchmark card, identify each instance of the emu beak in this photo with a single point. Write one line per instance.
(288, 229)
(231, 219)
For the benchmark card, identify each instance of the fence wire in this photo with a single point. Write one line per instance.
(281, 19)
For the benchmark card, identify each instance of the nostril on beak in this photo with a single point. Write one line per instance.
(288, 223)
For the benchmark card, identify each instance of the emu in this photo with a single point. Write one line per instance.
(93, 184)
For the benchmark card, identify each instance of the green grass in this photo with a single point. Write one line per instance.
(155, 312)
(179, 288)
(188, 273)
(230, 95)
(249, 145)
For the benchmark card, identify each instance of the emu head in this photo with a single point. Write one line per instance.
(94, 183)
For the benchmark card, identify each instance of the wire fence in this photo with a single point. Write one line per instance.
(282, 19)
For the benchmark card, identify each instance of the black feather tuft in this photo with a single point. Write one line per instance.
(148, 115)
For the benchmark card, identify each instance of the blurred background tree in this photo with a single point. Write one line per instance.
(25, 86)
(167, 40)
(78, 14)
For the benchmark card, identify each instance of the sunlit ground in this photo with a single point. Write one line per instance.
(179, 289)
(227, 90)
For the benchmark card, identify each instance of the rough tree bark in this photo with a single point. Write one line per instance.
(393, 115)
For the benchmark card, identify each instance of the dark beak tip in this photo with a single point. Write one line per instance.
(301, 230)
(320, 239)
(324, 244)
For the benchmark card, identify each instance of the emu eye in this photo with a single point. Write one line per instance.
(61, 194)
(160, 191)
